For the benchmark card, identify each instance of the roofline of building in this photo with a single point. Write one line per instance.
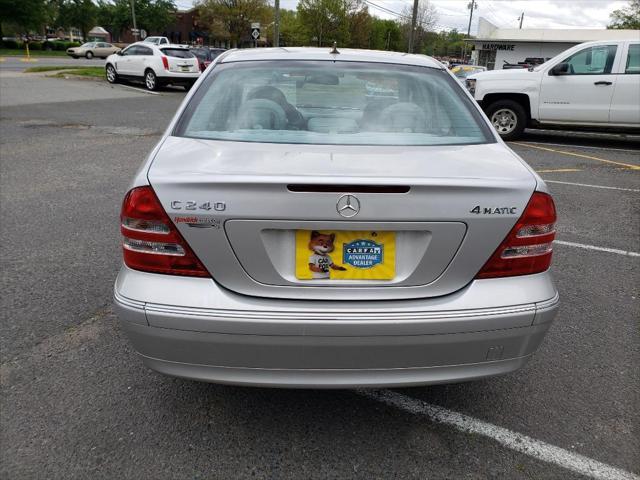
(524, 40)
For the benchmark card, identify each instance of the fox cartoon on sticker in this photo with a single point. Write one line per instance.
(320, 262)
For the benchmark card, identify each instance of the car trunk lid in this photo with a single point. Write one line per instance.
(181, 60)
(239, 206)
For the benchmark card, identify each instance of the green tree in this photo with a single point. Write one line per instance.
(385, 34)
(22, 15)
(291, 31)
(628, 17)
(426, 21)
(324, 21)
(151, 15)
(154, 15)
(231, 19)
(359, 22)
(80, 14)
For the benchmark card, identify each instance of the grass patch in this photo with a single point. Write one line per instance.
(34, 53)
(95, 72)
(50, 68)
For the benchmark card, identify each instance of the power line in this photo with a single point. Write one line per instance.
(401, 16)
(496, 16)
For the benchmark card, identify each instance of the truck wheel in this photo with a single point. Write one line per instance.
(508, 118)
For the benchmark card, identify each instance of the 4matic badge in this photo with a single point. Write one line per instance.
(478, 210)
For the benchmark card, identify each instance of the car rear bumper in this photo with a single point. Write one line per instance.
(268, 342)
(178, 78)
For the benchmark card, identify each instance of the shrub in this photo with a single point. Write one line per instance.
(12, 44)
(35, 45)
(62, 46)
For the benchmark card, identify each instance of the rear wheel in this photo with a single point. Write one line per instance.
(89, 55)
(110, 73)
(150, 80)
(508, 118)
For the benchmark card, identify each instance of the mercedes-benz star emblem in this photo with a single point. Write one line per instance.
(348, 205)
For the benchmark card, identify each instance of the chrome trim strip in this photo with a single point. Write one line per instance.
(127, 302)
(336, 315)
(551, 303)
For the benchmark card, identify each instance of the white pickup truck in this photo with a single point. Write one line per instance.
(594, 85)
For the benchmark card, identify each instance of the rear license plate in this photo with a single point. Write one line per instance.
(345, 255)
(185, 69)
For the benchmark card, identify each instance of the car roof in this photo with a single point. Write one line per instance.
(345, 55)
(159, 47)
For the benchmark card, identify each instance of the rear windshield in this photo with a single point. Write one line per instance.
(201, 53)
(344, 103)
(177, 52)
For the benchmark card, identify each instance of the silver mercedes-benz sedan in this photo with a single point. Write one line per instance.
(321, 219)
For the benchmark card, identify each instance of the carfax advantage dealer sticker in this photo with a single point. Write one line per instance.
(345, 255)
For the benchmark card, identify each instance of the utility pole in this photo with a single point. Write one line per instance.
(276, 25)
(414, 18)
(521, 19)
(133, 15)
(471, 6)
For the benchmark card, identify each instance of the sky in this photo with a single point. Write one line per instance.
(503, 13)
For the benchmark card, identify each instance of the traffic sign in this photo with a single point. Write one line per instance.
(255, 33)
(255, 25)
(143, 34)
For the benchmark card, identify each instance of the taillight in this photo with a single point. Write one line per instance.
(528, 247)
(151, 242)
(165, 62)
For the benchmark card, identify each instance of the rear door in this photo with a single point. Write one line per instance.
(625, 105)
(584, 94)
(103, 49)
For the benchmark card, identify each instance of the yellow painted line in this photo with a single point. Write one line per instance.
(581, 155)
(560, 170)
(2, 59)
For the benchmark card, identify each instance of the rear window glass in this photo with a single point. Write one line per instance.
(344, 103)
(201, 53)
(177, 52)
(633, 59)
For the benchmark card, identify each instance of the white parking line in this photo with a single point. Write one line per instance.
(593, 186)
(142, 90)
(598, 249)
(585, 146)
(508, 438)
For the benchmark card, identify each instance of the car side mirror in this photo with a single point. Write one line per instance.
(560, 69)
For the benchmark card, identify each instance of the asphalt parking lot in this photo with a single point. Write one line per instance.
(77, 403)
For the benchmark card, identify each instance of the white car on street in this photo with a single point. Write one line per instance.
(154, 65)
(593, 85)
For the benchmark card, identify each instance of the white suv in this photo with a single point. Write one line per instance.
(153, 64)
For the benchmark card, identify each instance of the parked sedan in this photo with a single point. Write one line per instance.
(93, 49)
(154, 65)
(291, 229)
(463, 71)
